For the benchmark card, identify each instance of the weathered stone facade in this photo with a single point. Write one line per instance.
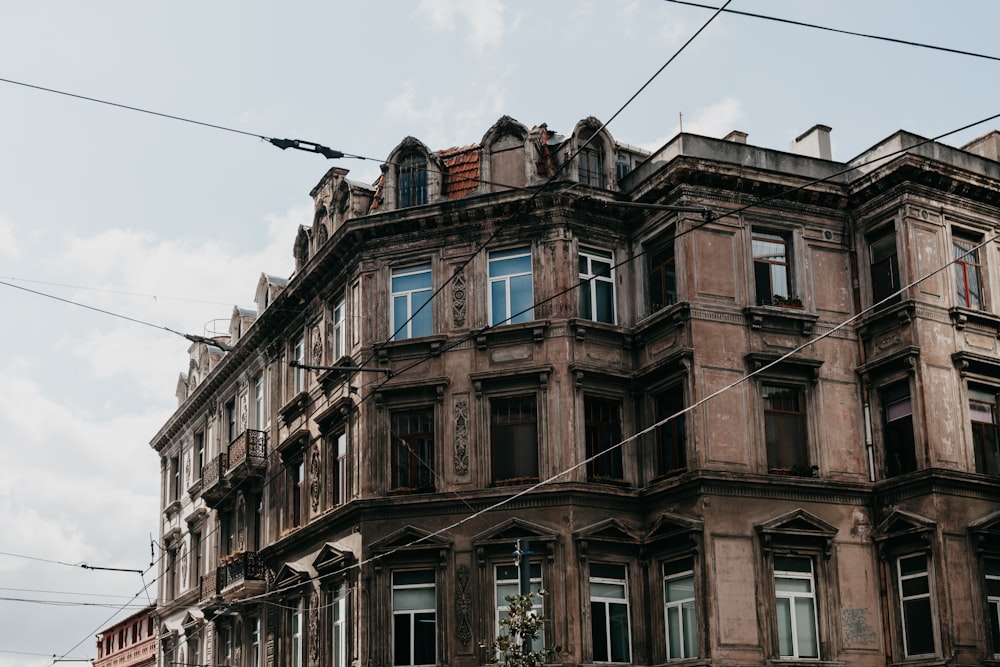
(688, 378)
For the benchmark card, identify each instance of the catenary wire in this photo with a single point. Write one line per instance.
(154, 297)
(803, 24)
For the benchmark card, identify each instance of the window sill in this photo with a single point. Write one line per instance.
(781, 319)
(811, 662)
(294, 407)
(512, 334)
(974, 320)
(515, 481)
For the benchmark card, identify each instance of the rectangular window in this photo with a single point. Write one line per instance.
(259, 418)
(511, 296)
(508, 584)
(414, 618)
(968, 271)
(255, 641)
(795, 590)
(411, 310)
(338, 617)
(297, 488)
(230, 410)
(175, 478)
(609, 617)
(597, 286)
(412, 181)
(514, 435)
(298, 373)
(339, 455)
(591, 170)
(785, 429)
(915, 605)
(196, 559)
(985, 440)
(678, 596)
(884, 267)
(339, 331)
(295, 659)
(199, 454)
(226, 644)
(772, 269)
(991, 568)
(662, 276)
(899, 445)
(603, 432)
(671, 441)
(194, 651)
(413, 450)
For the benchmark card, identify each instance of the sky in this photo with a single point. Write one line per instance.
(172, 223)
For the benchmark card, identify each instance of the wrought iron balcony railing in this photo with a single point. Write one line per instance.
(214, 486)
(209, 585)
(247, 453)
(240, 567)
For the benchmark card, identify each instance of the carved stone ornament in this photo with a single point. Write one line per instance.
(187, 467)
(241, 531)
(238, 645)
(463, 605)
(461, 411)
(458, 297)
(317, 347)
(183, 558)
(314, 479)
(314, 628)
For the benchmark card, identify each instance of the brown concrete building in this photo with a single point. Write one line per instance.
(130, 642)
(489, 317)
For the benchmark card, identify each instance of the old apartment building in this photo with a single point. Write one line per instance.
(348, 470)
(130, 642)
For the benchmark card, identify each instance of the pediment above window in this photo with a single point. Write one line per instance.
(670, 527)
(901, 530)
(332, 559)
(609, 533)
(977, 366)
(292, 574)
(409, 540)
(792, 367)
(504, 539)
(798, 528)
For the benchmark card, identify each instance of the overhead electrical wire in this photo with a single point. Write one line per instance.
(803, 24)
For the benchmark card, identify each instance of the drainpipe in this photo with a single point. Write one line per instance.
(865, 398)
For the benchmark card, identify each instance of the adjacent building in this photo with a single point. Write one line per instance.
(349, 469)
(131, 642)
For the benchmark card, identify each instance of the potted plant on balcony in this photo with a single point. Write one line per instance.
(786, 301)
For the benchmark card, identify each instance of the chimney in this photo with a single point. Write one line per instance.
(736, 137)
(987, 146)
(814, 142)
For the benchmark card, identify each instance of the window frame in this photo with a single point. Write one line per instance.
(412, 613)
(608, 602)
(591, 279)
(603, 439)
(887, 263)
(902, 599)
(762, 262)
(414, 314)
(411, 180)
(298, 354)
(776, 452)
(339, 654)
(661, 276)
(684, 633)
(296, 634)
(793, 598)
(891, 395)
(419, 452)
(498, 276)
(514, 478)
(666, 402)
(982, 431)
(259, 402)
(339, 320)
(500, 605)
(296, 491)
(968, 261)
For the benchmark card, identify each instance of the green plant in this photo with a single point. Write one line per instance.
(521, 627)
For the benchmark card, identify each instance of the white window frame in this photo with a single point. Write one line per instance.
(904, 599)
(503, 607)
(687, 626)
(258, 402)
(498, 277)
(412, 300)
(296, 646)
(608, 601)
(340, 468)
(793, 599)
(255, 641)
(589, 281)
(412, 613)
(339, 330)
(338, 626)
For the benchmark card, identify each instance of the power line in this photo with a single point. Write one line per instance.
(803, 24)
(154, 297)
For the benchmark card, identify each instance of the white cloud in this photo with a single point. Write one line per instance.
(485, 25)
(716, 120)
(8, 244)
(443, 122)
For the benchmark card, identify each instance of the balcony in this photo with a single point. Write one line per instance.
(209, 586)
(215, 486)
(241, 574)
(247, 457)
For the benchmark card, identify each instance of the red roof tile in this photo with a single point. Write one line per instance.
(461, 166)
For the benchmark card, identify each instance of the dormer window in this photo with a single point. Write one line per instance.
(412, 180)
(591, 165)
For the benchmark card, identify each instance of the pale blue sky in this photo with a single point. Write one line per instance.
(135, 206)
